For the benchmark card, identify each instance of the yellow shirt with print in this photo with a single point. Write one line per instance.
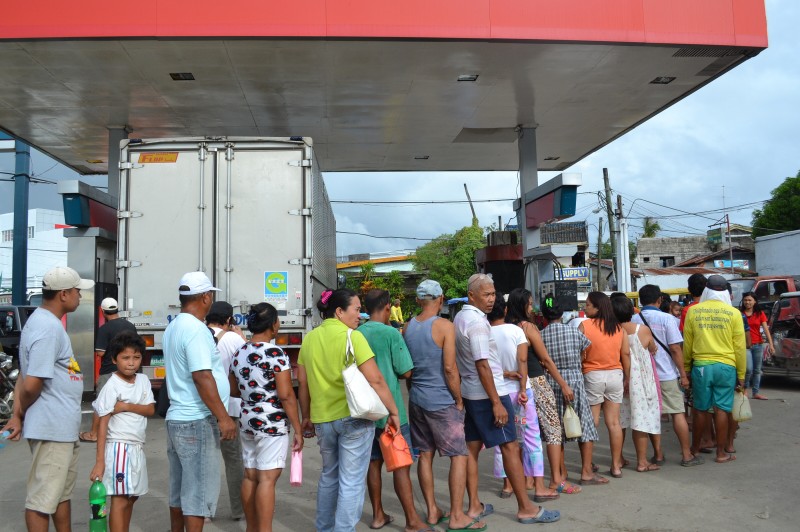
(714, 332)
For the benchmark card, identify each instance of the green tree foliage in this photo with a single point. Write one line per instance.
(450, 259)
(651, 227)
(367, 279)
(781, 212)
(605, 251)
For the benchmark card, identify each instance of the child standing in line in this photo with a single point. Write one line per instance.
(123, 406)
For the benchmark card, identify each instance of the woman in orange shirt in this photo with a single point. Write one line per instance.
(606, 363)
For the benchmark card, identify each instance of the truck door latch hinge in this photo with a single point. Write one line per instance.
(304, 262)
(129, 166)
(300, 212)
(299, 312)
(128, 263)
(128, 214)
(305, 163)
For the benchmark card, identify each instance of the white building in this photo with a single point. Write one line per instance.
(47, 246)
(777, 254)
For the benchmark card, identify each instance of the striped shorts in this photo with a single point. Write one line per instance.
(126, 469)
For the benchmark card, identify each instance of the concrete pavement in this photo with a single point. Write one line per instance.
(757, 492)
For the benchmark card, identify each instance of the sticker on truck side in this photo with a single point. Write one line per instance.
(276, 286)
(158, 157)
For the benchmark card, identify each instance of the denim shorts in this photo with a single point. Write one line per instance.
(479, 423)
(194, 466)
(376, 441)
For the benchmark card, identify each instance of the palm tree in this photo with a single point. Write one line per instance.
(651, 227)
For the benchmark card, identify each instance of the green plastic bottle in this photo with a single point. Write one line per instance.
(97, 500)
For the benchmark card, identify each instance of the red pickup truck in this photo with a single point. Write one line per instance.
(768, 290)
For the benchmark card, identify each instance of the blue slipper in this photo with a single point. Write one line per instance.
(544, 516)
(488, 509)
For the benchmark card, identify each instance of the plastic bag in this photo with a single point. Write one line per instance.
(296, 471)
(521, 422)
(741, 408)
(572, 423)
(394, 449)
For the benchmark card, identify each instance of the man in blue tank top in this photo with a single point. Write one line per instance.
(435, 407)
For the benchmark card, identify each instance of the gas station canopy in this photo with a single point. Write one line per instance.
(379, 86)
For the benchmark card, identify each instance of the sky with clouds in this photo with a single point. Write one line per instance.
(740, 132)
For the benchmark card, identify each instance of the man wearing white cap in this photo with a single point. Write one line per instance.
(112, 327)
(47, 411)
(198, 415)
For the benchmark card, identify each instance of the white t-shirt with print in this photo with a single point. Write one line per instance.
(125, 427)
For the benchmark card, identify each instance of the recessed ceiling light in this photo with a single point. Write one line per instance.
(182, 76)
(468, 77)
(662, 80)
(552, 158)
(422, 157)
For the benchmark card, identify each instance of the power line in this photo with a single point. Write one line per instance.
(376, 236)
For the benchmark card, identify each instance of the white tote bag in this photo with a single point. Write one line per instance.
(364, 403)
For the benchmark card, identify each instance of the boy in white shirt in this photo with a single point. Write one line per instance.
(123, 406)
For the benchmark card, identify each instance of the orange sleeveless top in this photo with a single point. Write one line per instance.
(604, 353)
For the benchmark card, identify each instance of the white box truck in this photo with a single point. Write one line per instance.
(252, 213)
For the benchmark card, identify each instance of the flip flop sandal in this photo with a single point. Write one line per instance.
(441, 520)
(696, 460)
(544, 516)
(545, 498)
(572, 489)
(615, 475)
(596, 480)
(730, 458)
(648, 468)
(503, 494)
(708, 450)
(488, 509)
(389, 519)
(658, 462)
(469, 527)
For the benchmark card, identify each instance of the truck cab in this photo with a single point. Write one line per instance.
(768, 290)
(784, 325)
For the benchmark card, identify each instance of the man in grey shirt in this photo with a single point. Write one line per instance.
(48, 408)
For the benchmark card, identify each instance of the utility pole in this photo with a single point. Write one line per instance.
(728, 224)
(624, 255)
(474, 218)
(599, 248)
(611, 225)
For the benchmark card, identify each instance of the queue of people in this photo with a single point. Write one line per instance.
(489, 380)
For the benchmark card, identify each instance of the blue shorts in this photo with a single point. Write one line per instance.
(479, 422)
(194, 466)
(376, 441)
(712, 386)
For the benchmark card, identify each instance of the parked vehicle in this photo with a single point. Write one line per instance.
(768, 289)
(8, 379)
(252, 213)
(784, 325)
(12, 320)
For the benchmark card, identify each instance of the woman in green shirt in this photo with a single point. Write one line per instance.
(344, 441)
